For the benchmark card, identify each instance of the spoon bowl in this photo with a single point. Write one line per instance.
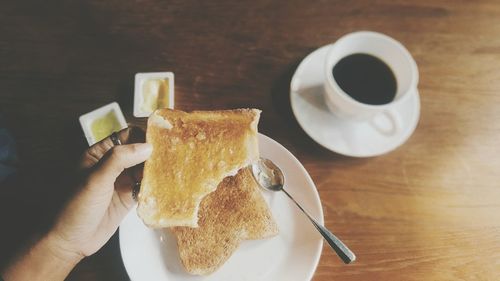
(268, 175)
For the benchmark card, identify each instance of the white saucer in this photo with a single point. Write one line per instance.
(351, 138)
(290, 256)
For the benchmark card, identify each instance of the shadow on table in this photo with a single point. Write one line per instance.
(33, 196)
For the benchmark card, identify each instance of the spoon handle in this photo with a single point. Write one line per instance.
(338, 246)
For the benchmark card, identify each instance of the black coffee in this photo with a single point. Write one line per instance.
(366, 79)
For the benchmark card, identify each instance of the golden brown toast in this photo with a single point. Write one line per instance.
(236, 211)
(192, 153)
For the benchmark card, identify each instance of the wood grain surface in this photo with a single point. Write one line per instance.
(429, 210)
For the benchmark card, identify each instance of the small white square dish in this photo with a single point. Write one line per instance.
(153, 90)
(102, 122)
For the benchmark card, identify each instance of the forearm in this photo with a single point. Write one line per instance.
(45, 260)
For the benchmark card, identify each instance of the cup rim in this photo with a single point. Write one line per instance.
(344, 95)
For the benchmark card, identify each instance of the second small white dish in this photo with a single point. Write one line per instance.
(140, 79)
(347, 137)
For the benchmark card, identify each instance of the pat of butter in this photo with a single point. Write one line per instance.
(153, 90)
(154, 94)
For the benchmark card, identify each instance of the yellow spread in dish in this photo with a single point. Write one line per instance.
(105, 126)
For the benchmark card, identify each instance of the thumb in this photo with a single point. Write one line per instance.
(119, 158)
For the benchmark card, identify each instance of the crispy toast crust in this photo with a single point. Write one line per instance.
(236, 211)
(192, 153)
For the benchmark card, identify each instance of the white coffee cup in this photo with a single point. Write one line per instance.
(382, 117)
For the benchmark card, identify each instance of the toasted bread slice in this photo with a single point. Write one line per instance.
(236, 211)
(192, 153)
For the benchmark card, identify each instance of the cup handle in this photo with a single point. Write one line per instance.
(391, 118)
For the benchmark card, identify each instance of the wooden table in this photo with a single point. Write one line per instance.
(429, 210)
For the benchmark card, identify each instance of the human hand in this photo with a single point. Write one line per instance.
(105, 196)
(92, 216)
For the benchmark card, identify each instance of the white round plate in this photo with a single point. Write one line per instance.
(351, 138)
(292, 255)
